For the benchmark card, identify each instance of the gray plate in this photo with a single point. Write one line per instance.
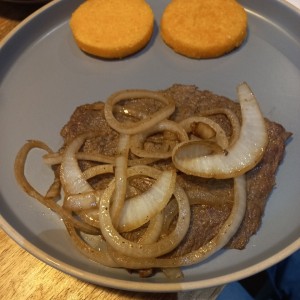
(44, 76)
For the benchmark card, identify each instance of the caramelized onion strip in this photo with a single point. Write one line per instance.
(97, 170)
(120, 178)
(215, 131)
(228, 229)
(54, 189)
(56, 158)
(145, 123)
(52, 159)
(19, 169)
(231, 116)
(98, 255)
(164, 245)
(90, 216)
(153, 230)
(138, 140)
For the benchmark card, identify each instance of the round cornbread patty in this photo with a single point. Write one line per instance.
(112, 28)
(203, 28)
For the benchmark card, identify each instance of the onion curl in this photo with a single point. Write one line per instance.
(163, 246)
(226, 232)
(145, 123)
(19, 169)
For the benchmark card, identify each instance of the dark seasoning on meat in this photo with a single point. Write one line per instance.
(217, 195)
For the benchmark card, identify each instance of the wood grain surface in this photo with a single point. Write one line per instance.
(22, 276)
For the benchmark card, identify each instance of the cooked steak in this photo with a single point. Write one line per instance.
(215, 195)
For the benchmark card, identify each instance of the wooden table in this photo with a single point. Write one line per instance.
(22, 276)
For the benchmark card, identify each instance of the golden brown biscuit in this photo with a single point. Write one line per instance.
(112, 28)
(203, 28)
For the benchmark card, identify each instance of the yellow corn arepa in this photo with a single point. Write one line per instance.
(112, 28)
(203, 28)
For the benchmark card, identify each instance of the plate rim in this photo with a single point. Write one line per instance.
(127, 284)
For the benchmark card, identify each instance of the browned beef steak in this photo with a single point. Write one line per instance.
(216, 194)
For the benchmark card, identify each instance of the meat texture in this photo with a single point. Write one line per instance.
(215, 196)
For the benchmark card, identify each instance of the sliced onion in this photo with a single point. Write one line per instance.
(98, 255)
(120, 177)
(81, 201)
(97, 170)
(52, 159)
(132, 112)
(48, 201)
(166, 125)
(71, 176)
(144, 124)
(138, 210)
(228, 229)
(163, 246)
(20, 162)
(86, 200)
(231, 116)
(54, 189)
(153, 230)
(244, 154)
(90, 216)
(56, 158)
(220, 135)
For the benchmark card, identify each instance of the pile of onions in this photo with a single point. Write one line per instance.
(201, 149)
